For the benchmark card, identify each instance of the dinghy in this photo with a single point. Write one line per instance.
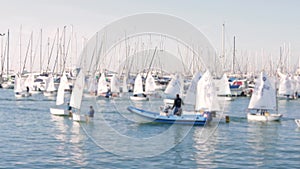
(138, 92)
(50, 88)
(114, 86)
(102, 89)
(263, 100)
(60, 98)
(286, 89)
(18, 88)
(223, 89)
(76, 98)
(205, 106)
(297, 122)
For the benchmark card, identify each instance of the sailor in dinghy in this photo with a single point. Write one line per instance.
(263, 100)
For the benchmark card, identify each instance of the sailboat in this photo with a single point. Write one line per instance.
(297, 122)
(18, 88)
(263, 100)
(76, 98)
(114, 86)
(205, 105)
(190, 97)
(174, 87)
(285, 90)
(102, 89)
(29, 82)
(91, 88)
(60, 99)
(138, 92)
(150, 85)
(223, 88)
(124, 85)
(50, 91)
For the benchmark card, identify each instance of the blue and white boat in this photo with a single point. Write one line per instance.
(206, 105)
(189, 119)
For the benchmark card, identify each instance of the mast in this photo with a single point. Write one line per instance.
(233, 56)
(7, 66)
(2, 54)
(41, 51)
(31, 50)
(223, 45)
(20, 48)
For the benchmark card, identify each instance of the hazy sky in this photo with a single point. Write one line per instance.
(257, 24)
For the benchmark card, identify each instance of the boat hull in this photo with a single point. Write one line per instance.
(224, 98)
(50, 94)
(59, 112)
(169, 102)
(79, 117)
(137, 98)
(258, 117)
(297, 122)
(149, 116)
(21, 95)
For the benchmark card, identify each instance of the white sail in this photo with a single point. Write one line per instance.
(138, 85)
(297, 84)
(92, 84)
(150, 85)
(77, 91)
(114, 84)
(190, 97)
(18, 84)
(102, 84)
(175, 86)
(29, 81)
(50, 84)
(264, 94)
(285, 86)
(222, 86)
(61, 90)
(124, 86)
(206, 99)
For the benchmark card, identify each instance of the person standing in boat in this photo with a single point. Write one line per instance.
(91, 112)
(177, 106)
(69, 109)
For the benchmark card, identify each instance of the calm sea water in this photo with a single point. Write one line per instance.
(32, 138)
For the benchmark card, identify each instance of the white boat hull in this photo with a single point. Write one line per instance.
(223, 98)
(21, 95)
(7, 86)
(50, 94)
(59, 112)
(169, 102)
(148, 116)
(297, 122)
(35, 92)
(79, 117)
(137, 98)
(267, 117)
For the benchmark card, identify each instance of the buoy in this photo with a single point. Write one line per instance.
(227, 119)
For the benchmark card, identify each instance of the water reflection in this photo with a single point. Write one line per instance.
(71, 140)
(262, 138)
(204, 156)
